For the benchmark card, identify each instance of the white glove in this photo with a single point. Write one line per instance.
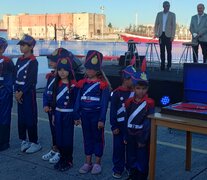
(195, 35)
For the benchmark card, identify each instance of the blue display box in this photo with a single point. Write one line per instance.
(194, 103)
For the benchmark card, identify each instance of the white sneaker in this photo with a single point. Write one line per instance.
(33, 148)
(49, 155)
(25, 145)
(55, 158)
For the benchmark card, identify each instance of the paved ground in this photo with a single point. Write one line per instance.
(170, 164)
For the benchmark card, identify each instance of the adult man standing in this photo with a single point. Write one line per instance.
(164, 29)
(198, 29)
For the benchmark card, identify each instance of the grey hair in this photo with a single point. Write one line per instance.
(166, 3)
(200, 4)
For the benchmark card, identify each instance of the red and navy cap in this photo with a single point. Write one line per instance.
(93, 60)
(57, 54)
(27, 39)
(66, 62)
(140, 78)
(128, 72)
(3, 43)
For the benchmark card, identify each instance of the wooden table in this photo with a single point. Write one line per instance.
(176, 122)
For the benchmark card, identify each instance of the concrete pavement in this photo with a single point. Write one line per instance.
(170, 163)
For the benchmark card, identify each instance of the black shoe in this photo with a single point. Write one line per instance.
(58, 164)
(169, 69)
(65, 166)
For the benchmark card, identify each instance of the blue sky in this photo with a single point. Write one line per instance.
(120, 13)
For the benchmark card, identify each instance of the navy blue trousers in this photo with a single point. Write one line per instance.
(137, 157)
(93, 137)
(52, 129)
(27, 117)
(119, 152)
(64, 130)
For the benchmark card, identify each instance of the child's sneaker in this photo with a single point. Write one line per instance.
(96, 169)
(33, 148)
(49, 155)
(85, 168)
(25, 145)
(116, 175)
(55, 158)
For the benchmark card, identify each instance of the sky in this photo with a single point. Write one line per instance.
(120, 13)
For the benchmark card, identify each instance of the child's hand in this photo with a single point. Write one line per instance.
(53, 120)
(115, 131)
(77, 122)
(47, 109)
(18, 96)
(100, 125)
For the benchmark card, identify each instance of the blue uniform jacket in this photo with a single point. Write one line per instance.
(117, 108)
(6, 77)
(138, 124)
(47, 95)
(26, 70)
(92, 96)
(66, 97)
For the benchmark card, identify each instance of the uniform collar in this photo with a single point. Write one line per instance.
(141, 100)
(121, 88)
(32, 57)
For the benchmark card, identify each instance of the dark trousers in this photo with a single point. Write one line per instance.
(119, 152)
(27, 117)
(204, 51)
(93, 137)
(137, 157)
(52, 129)
(5, 117)
(64, 129)
(165, 42)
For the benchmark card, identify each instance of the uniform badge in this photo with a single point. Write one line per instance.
(64, 61)
(94, 60)
(143, 76)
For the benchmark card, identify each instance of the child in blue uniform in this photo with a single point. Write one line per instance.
(53, 155)
(138, 128)
(6, 95)
(92, 103)
(117, 119)
(64, 95)
(25, 92)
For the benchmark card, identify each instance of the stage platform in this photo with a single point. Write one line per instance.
(162, 83)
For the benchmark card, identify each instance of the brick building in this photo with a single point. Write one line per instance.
(50, 26)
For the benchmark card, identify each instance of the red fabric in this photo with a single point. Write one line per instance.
(150, 102)
(6, 59)
(51, 74)
(133, 61)
(144, 65)
(191, 107)
(103, 84)
(31, 57)
(120, 88)
(81, 83)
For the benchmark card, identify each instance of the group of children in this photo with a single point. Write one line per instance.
(84, 103)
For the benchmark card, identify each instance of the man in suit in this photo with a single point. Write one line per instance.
(198, 29)
(164, 29)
